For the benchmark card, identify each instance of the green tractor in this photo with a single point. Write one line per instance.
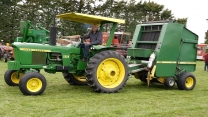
(160, 52)
(32, 34)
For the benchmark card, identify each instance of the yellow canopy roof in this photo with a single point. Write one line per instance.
(89, 19)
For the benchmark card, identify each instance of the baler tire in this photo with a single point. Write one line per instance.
(107, 72)
(142, 76)
(32, 83)
(10, 77)
(5, 58)
(186, 81)
(70, 78)
(169, 82)
(1, 56)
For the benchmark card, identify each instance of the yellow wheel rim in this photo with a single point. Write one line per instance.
(34, 84)
(110, 73)
(189, 82)
(80, 78)
(14, 77)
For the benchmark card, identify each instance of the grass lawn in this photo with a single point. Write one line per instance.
(63, 100)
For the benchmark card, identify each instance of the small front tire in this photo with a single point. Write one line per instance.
(12, 77)
(32, 83)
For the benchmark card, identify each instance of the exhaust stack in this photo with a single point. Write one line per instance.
(52, 40)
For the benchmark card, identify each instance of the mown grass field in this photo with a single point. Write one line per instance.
(136, 100)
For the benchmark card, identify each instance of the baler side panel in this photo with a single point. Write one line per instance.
(188, 51)
(169, 51)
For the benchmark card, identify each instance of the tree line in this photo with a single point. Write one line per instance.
(41, 11)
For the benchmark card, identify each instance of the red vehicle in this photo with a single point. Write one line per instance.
(6, 52)
(201, 51)
(121, 40)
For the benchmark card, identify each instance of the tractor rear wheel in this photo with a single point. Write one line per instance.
(73, 79)
(12, 77)
(186, 81)
(107, 72)
(169, 82)
(32, 83)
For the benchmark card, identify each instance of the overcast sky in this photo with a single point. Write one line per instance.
(195, 10)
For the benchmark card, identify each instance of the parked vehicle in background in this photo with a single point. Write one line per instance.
(201, 51)
(6, 51)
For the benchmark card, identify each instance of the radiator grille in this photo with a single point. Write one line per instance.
(38, 58)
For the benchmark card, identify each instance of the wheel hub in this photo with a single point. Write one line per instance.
(110, 72)
(34, 84)
(171, 82)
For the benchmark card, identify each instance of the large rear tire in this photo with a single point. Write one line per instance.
(107, 72)
(73, 79)
(11, 77)
(32, 83)
(186, 81)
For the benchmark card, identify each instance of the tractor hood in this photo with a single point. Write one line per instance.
(42, 47)
(34, 53)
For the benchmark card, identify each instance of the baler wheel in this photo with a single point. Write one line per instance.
(5, 58)
(141, 75)
(32, 83)
(107, 72)
(186, 81)
(169, 82)
(1, 53)
(74, 79)
(11, 79)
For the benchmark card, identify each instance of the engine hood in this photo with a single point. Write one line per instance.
(42, 47)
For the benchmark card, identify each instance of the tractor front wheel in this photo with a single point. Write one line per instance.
(107, 72)
(169, 82)
(186, 81)
(12, 77)
(32, 83)
(73, 79)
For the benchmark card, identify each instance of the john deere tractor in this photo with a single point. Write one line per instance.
(160, 52)
(31, 33)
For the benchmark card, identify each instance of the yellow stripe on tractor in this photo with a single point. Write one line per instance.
(36, 50)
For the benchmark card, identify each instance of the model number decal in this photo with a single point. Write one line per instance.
(65, 56)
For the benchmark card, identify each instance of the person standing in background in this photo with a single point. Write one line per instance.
(206, 62)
